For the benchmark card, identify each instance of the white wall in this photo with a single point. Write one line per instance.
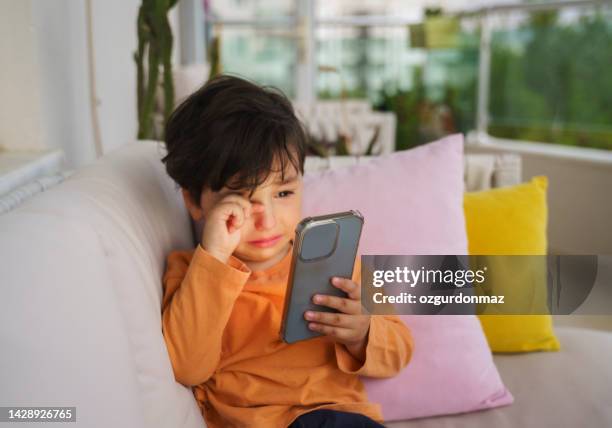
(60, 30)
(19, 80)
(58, 48)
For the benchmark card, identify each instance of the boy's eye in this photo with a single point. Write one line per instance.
(288, 192)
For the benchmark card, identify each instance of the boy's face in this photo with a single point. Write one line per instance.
(282, 204)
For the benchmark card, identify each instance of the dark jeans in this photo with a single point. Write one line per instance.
(327, 418)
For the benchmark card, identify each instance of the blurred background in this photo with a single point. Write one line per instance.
(546, 76)
(366, 76)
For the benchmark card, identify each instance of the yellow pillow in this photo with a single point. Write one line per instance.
(511, 221)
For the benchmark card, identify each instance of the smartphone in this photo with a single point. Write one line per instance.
(324, 246)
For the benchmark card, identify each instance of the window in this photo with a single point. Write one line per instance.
(550, 76)
(257, 39)
(525, 71)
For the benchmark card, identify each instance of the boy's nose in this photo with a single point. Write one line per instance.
(264, 218)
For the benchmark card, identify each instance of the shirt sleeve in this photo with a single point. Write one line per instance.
(389, 347)
(198, 299)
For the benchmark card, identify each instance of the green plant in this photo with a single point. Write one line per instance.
(154, 47)
(556, 88)
(421, 117)
(214, 56)
(406, 104)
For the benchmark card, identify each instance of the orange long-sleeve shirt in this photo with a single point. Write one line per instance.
(221, 325)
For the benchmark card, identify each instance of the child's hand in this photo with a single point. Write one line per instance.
(349, 327)
(222, 227)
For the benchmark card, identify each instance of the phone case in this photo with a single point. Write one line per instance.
(324, 246)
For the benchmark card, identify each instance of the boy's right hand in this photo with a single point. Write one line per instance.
(222, 228)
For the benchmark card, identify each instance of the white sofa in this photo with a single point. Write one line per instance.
(81, 267)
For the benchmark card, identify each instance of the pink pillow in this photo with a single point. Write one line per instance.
(451, 371)
(412, 203)
(411, 200)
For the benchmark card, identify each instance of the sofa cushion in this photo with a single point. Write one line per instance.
(569, 388)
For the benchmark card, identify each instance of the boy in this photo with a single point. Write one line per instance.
(237, 151)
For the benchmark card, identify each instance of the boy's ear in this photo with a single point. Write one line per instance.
(194, 208)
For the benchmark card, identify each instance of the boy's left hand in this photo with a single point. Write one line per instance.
(350, 326)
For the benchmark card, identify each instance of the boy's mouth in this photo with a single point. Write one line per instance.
(266, 242)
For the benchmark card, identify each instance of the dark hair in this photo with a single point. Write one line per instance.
(231, 126)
